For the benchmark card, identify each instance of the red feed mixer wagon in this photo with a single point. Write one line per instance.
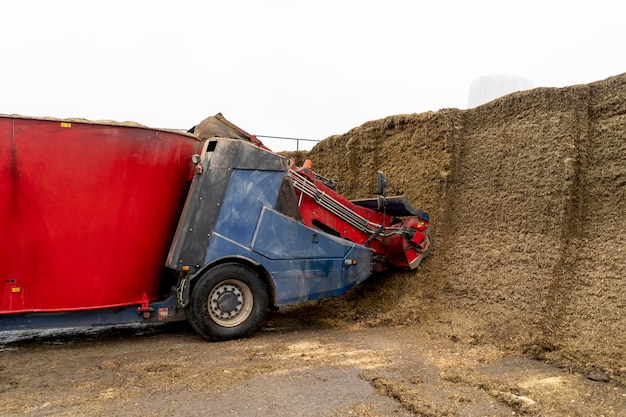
(111, 223)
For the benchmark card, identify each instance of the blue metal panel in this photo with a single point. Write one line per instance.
(316, 279)
(247, 193)
(280, 237)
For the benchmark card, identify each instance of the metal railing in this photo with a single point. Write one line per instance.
(298, 140)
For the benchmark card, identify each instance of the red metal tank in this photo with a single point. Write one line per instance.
(87, 212)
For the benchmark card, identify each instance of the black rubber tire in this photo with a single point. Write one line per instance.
(230, 301)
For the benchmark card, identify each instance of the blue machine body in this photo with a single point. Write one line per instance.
(242, 206)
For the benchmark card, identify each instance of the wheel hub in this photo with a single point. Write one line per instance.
(225, 301)
(228, 302)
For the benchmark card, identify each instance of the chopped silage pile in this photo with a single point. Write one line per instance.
(527, 196)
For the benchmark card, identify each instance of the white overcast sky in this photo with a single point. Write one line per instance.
(306, 69)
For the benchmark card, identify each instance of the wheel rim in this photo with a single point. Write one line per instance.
(230, 303)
